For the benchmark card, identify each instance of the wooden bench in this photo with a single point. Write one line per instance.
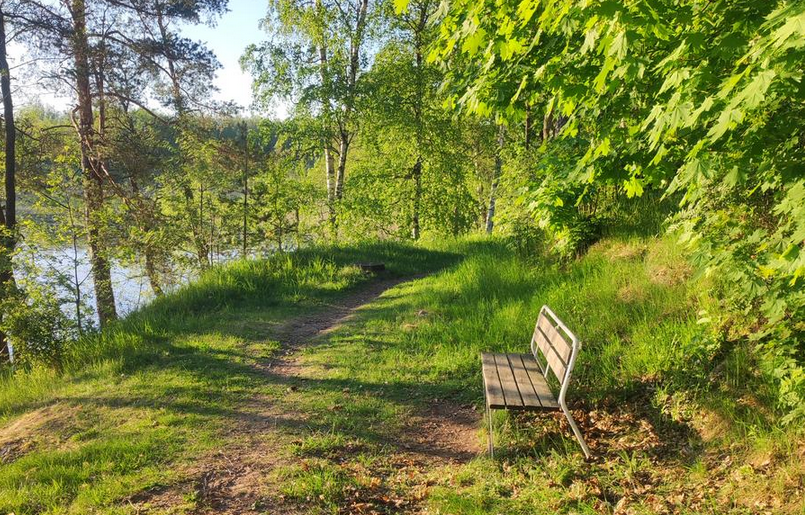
(519, 381)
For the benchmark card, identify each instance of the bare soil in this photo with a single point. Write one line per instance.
(45, 426)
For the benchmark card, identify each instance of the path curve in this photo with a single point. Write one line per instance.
(233, 479)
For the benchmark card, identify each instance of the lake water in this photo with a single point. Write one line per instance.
(132, 290)
(66, 268)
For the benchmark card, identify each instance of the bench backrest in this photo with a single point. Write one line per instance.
(557, 344)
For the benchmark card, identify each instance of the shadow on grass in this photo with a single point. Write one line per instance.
(256, 397)
(293, 283)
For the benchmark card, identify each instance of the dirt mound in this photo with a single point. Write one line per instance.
(44, 425)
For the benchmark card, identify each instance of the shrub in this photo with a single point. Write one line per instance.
(38, 329)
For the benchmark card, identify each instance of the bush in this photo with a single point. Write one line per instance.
(524, 238)
(38, 330)
(34, 319)
(575, 236)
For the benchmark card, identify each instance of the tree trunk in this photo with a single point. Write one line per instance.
(343, 150)
(146, 218)
(76, 263)
(91, 170)
(296, 226)
(245, 238)
(10, 132)
(203, 246)
(338, 187)
(151, 271)
(99, 261)
(418, 108)
(547, 126)
(196, 220)
(527, 128)
(329, 160)
(8, 219)
(417, 174)
(349, 103)
(490, 213)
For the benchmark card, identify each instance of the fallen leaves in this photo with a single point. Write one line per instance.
(648, 459)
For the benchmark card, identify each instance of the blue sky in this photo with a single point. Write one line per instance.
(228, 39)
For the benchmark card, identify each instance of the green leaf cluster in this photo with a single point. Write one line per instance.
(700, 100)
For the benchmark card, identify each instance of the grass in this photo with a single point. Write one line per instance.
(161, 387)
(660, 397)
(677, 417)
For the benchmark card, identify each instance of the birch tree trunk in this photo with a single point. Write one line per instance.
(343, 150)
(417, 200)
(527, 127)
(245, 235)
(329, 159)
(345, 135)
(493, 190)
(416, 172)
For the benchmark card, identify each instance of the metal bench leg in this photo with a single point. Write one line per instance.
(489, 435)
(576, 430)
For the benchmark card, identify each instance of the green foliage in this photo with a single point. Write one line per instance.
(39, 331)
(36, 321)
(538, 191)
(700, 100)
(284, 197)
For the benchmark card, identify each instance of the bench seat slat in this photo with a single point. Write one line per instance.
(524, 387)
(558, 342)
(540, 384)
(551, 356)
(510, 391)
(492, 386)
(524, 383)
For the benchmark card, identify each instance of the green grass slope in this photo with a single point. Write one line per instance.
(678, 419)
(160, 388)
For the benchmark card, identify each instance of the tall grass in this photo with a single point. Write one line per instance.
(632, 302)
(298, 281)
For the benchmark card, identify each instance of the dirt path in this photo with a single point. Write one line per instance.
(300, 331)
(442, 432)
(237, 479)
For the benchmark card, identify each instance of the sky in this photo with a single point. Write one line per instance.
(236, 30)
(233, 32)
